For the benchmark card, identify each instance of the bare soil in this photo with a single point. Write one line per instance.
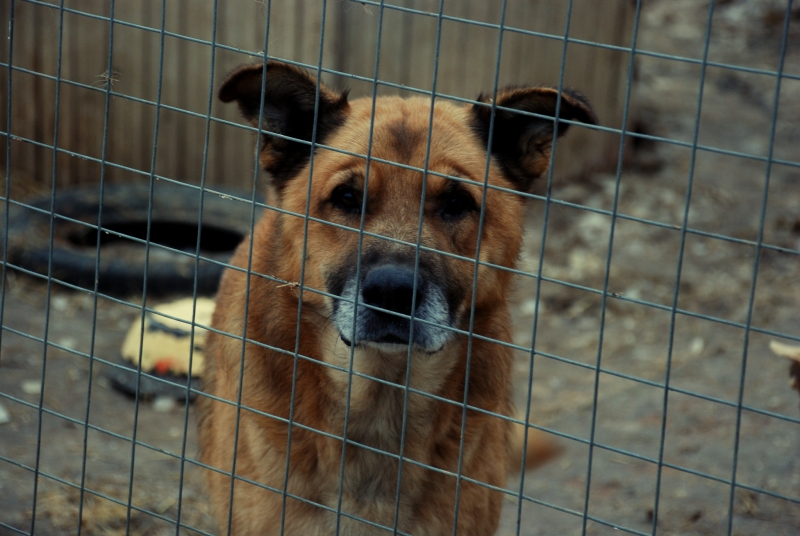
(616, 422)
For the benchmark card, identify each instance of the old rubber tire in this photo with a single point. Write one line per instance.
(174, 219)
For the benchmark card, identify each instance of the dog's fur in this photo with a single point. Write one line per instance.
(316, 391)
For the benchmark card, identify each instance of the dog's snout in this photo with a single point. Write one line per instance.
(392, 288)
(376, 311)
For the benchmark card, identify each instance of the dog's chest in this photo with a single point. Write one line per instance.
(372, 468)
(381, 420)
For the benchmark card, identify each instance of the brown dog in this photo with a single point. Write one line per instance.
(342, 372)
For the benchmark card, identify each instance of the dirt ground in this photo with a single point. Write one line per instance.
(620, 408)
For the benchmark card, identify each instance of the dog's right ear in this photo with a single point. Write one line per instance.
(289, 99)
(521, 143)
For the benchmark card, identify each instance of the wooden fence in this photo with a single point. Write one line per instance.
(466, 66)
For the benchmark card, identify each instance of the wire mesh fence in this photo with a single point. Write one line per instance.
(659, 264)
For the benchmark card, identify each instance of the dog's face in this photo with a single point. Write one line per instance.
(406, 207)
(421, 231)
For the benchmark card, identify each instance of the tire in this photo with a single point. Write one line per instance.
(174, 221)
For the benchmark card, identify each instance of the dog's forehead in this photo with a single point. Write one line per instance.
(399, 129)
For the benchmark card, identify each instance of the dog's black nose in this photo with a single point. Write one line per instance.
(391, 287)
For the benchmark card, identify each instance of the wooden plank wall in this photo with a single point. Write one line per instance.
(466, 66)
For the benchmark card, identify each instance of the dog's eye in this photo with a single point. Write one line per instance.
(347, 199)
(456, 204)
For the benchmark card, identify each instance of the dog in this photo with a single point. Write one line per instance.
(368, 319)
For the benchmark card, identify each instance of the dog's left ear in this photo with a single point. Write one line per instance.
(521, 143)
(291, 105)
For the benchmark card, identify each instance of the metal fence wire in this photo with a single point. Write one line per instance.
(650, 290)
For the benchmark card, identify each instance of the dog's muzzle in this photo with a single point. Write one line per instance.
(387, 296)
